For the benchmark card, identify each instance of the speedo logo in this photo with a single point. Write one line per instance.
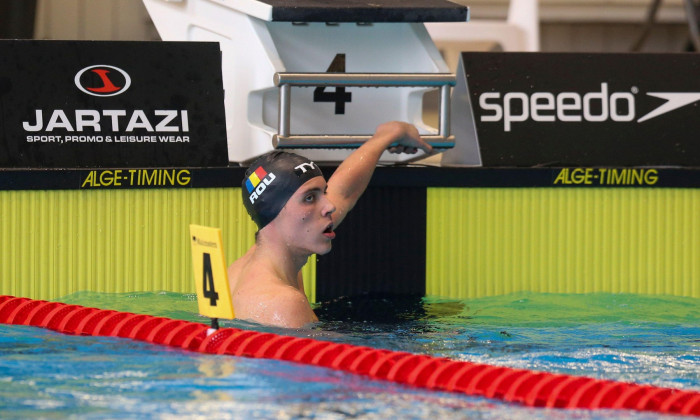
(598, 106)
(257, 182)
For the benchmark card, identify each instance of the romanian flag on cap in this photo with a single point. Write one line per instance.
(255, 178)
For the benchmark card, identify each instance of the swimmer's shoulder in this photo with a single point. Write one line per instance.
(280, 305)
(259, 295)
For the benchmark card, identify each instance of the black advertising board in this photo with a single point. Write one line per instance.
(78, 104)
(572, 109)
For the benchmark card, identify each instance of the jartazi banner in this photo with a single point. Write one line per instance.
(570, 109)
(73, 104)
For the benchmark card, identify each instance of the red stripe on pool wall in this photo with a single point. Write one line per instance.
(542, 390)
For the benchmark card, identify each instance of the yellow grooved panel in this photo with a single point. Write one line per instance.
(54, 243)
(492, 241)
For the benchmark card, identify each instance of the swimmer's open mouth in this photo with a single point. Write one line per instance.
(329, 229)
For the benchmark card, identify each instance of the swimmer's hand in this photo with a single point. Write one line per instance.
(352, 176)
(405, 138)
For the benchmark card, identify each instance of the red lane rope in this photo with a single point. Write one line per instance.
(536, 389)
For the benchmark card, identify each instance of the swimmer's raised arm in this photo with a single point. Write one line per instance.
(352, 177)
(284, 195)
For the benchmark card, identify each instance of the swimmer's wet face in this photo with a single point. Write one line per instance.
(305, 223)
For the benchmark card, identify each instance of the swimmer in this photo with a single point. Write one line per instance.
(297, 213)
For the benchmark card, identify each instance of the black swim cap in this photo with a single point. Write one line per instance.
(271, 180)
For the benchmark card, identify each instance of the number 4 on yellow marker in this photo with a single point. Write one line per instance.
(211, 279)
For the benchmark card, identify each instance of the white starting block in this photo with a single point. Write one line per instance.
(319, 79)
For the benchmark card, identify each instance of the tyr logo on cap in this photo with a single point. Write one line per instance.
(257, 182)
(301, 169)
(102, 80)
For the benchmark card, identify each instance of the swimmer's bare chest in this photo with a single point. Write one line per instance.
(259, 296)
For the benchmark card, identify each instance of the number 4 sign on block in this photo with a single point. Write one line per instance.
(211, 279)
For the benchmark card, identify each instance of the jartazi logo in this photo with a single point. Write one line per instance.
(102, 80)
(598, 106)
(105, 80)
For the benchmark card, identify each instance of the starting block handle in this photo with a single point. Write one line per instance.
(365, 79)
(285, 81)
(347, 141)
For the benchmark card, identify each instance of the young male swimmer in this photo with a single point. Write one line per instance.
(296, 212)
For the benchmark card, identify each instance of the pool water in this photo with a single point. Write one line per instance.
(632, 338)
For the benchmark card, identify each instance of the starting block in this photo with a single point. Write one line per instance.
(319, 78)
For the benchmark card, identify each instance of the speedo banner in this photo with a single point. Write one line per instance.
(570, 109)
(73, 104)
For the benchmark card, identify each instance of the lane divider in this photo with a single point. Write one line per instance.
(535, 389)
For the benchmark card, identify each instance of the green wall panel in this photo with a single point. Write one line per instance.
(480, 241)
(54, 243)
(492, 241)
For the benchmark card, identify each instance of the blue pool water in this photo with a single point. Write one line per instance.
(643, 339)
